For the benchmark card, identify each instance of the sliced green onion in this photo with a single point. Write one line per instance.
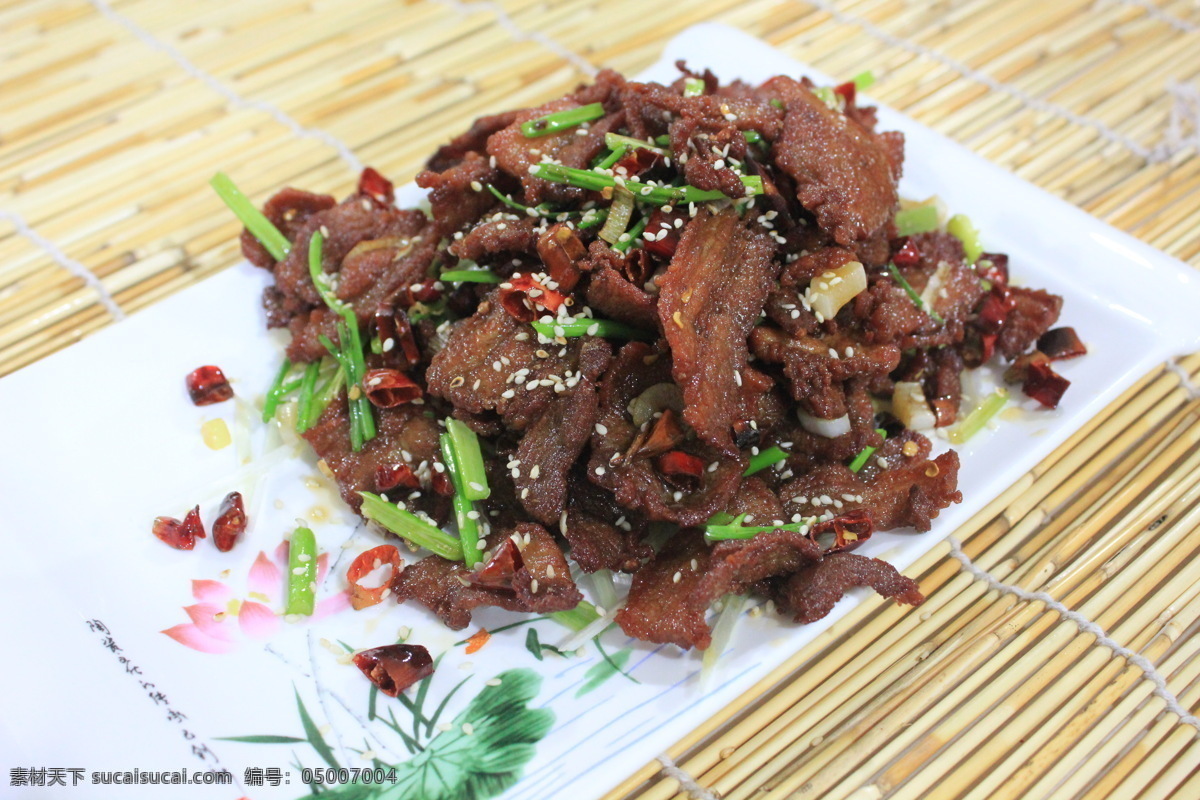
(960, 227)
(860, 460)
(302, 573)
(663, 141)
(615, 140)
(308, 386)
(693, 87)
(752, 137)
(612, 158)
(725, 518)
(863, 80)
(626, 240)
(912, 295)
(469, 276)
(592, 218)
(775, 101)
(578, 617)
(255, 221)
(541, 209)
(829, 97)
(469, 457)
(719, 533)
(277, 391)
(974, 422)
(607, 328)
(917, 219)
(326, 394)
(562, 120)
(619, 214)
(464, 511)
(658, 195)
(410, 527)
(765, 459)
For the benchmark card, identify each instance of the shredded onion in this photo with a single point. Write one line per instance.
(829, 428)
(618, 215)
(831, 290)
(722, 631)
(929, 297)
(658, 397)
(911, 408)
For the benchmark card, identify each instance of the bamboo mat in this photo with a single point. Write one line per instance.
(1056, 655)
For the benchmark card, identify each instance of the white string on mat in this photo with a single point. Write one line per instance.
(220, 88)
(686, 781)
(1155, 12)
(1152, 155)
(520, 34)
(1087, 626)
(66, 262)
(1185, 380)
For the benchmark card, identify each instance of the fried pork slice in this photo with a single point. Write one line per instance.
(1034, 312)
(618, 464)
(708, 302)
(845, 174)
(598, 544)
(537, 580)
(811, 593)
(549, 449)
(405, 436)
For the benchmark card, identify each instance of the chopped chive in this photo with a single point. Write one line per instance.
(765, 459)
(615, 140)
(720, 533)
(724, 518)
(469, 457)
(912, 294)
(917, 219)
(326, 394)
(663, 141)
(775, 101)
(469, 276)
(959, 226)
(587, 326)
(625, 241)
(541, 209)
(255, 221)
(308, 386)
(277, 391)
(974, 422)
(578, 617)
(860, 460)
(863, 80)
(693, 87)
(302, 573)
(613, 157)
(410, 527)
(658, 195)
(752, 137)
(468, 527)
(562, 120)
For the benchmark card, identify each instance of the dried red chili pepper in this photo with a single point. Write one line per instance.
(395, 333)
(388, 388)
(395, 476)
(207, 385)
(993, 267)
(1061, 343)
(995, 308)
(375, 186)
(369, 560)
(395, 667)
(680, 468)
(561, 250)
(662, 226)
(440, 482)
(1044, 384)
(849, 530)
(1018, 371)
(907, 256)
(848, 91)
(636, 162)
(499, 570)
(230, 522)
(666, 434)
(180, 535)
(520, 296)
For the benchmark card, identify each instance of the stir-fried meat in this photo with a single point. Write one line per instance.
(723, 348)
(709, 300)
(811, 593)
(540, 584)
(844, 174)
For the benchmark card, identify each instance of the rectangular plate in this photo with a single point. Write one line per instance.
(100, 439)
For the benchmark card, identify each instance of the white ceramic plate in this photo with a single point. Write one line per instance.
(100, 439)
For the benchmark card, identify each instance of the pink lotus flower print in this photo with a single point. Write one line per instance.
(222, 620)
